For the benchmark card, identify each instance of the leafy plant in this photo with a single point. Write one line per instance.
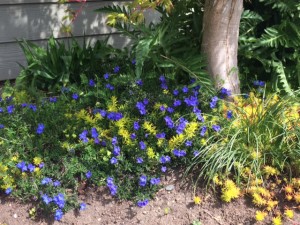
(61, 64)
(171, 46)
(271, 43)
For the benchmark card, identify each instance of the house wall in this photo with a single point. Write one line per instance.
(37, 20)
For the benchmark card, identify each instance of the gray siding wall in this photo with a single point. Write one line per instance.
(37, 20)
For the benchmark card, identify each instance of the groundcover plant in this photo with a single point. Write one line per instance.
(125, 135)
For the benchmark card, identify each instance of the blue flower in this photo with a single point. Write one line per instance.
(31, 168)
(41, 165)
(191, 101)
(46, 180)
(170, 110)
(142, 145)
(8, 190)
(82, 206)
(162, 108)
(117, 69)
(56, 183)
(32, 107)
(179, 153)
(141, 107)
(1, 110)
(75, 96)
(22, 166)
(161, 135)
(94, 132)
(185, 89)
(136, 125)
(169, 122)
(53, 99)
(259, 83)
(162, 78)
(10, 109)
(88, 174)
(46, 199)
(113, 160)
(106, 76)
(229, 114)
(139, 160)
(188, 143)
(58, 214)
(224, 92)
(142, 203)
(176, 103)
(133, 136)
(181, 126)
(112, 187)
(114, 116)
(203, 131)
(154, 181)
(133, 62)
(114, 141)
(59, 200)
(1, 126)
(110, 87)
(83, 137)
(216, 128)
(92, 83)
(163, 169)
(164, 159)
(175, 92)
(116, 150)
(139, 82)
(145, 101)
(40, 128)
(143, 180)
(214, 102)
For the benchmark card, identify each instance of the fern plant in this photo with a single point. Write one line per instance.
(271, 43)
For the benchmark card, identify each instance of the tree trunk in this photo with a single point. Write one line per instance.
(220, 41)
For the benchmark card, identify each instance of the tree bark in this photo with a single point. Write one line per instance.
(221, 23)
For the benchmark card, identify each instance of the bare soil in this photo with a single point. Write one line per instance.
(174, 207)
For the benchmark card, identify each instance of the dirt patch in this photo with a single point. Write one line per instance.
(174, 207)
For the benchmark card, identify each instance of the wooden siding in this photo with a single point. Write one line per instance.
(37, 20)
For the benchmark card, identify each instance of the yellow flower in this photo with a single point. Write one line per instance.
(277, 220)
(150, 153)
(230, 191)
(260, 216)
(37, 161)
(297, 197)
(258, 200)
(15, 158)
(288, 189)
(197, 200)
(270, 171)
(289, 197)
(271, 204)
(176, 140)
(190, 130)
(289, 213)
(149, 127)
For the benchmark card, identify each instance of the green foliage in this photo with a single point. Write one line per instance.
(269, 43)
(262, 132)
(61, 64)
(172, 46)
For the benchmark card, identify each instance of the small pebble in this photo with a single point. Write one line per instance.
(15, 216)
(170, 187)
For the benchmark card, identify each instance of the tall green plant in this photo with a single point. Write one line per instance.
(60, 63)
(270, 43)
(171, 46)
